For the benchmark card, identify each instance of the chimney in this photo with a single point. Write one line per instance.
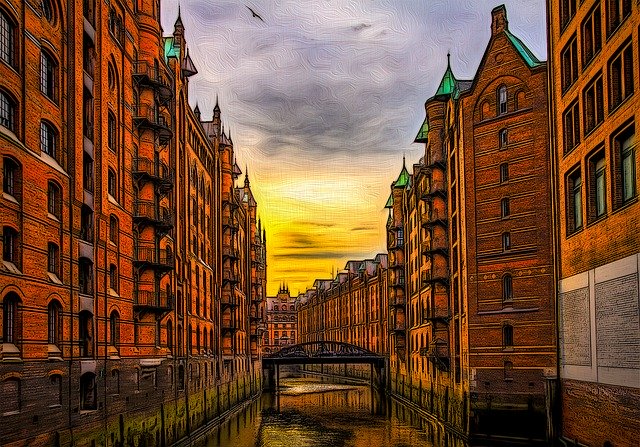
(499, 21)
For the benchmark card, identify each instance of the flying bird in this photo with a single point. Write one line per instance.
(254, 14)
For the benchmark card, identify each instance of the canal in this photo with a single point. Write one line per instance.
(314, 412)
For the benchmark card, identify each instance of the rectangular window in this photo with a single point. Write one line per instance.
(506, 241)
(593, 102)
(52, 264)
(87, 172)
(591, 35)
(567, 11)
(621, 75)
(504, 172)
(597, 186)
(617, 11)
(47, 75)
(504, 207)
(47, 140)
(574, 205)
(569, 57)
(624, 148)
(6, 39)
(571, 126)
(111, 132)
(10, 239)
(503, 136)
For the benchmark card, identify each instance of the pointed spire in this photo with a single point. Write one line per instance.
(196, 111)
(448, 82)
(246, 175)
(178, 27)
(217, 107)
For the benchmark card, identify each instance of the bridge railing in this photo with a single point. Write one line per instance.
(322, 349)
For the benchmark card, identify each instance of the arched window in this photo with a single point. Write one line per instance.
(179, 341)
(54, 199)
(11, 177)
(48, 11)
(507, 336)
(48, 75)
(11, 332)
(503, 139)
(284, 308)
(502, 100)
(8, 111)
(113, 229)
(275, 307)
(86, 223)
(170, 336)
(85, 276)
(112, 184)
(484, 110)
(8, 39)
(114, 329)
(54, 319)
(86, 334)
(507, 287)
(11, 246)
(88, 391)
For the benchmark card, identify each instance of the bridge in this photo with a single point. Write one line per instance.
(322, 353)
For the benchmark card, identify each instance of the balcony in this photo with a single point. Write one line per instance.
(146, 74)
(152, 301)
(438, 353)
(397, 300)
(147, 116)
(434, 218)
(146, 212)
(155, 171)
(230, 277)
(436, 189)
(397, 281)
(435, 276)
(160, 260)
(228, 299)
(436, 245)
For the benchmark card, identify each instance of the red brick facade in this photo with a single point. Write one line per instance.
(124, 234)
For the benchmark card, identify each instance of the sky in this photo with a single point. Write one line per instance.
(323, 98)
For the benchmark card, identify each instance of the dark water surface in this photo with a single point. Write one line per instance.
(309, 412)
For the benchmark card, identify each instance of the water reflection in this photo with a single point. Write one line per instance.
(311, 413)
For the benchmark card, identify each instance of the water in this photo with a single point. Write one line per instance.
(309, 412)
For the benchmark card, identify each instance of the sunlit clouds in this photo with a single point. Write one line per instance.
(322, 100)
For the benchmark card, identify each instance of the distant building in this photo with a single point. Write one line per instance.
(595, 87)
(281, 321)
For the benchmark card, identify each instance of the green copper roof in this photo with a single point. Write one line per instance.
(525, 52)
(389, 201)
(403, 178)
(423, 132)
(448, 83)
(170, 50)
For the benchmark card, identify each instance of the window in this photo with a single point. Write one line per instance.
(507, 287)
(86, 333)
(169, 336)
(502, 100)
(47, 75)
(88, 391)
(85, 277)
(111, 183)
(48, 139)
(112, 138)
(87, 172)
(113, 277)
(567, 11)
(11, 177)
(591, 35)
(592, 99)
(621, 76)
(504, 172)
(7, 39)
(114, 328)
(7, 112)
(53, 258)
(88, 8)
(503, 138)
(508, 371)
(48, 11)
(54, 318)
(506, 241)
(86, 224)
(10, 323)
(113, 229)
(574, 195)
(507, 336)
(88, 118)
(569, 57)
(624, 148)
(571, 127)
(54, 201)
(115, 375)
(597, 186)
(56, 389)
(10, 245)
(504, 207)
(617, 11)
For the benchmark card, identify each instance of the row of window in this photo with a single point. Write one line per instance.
(623, 181)
(621, 87)
(616, 12)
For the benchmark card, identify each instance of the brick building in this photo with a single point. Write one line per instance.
(133, 266)
(593, 53)
(281, 321)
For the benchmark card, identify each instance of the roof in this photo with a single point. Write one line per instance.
(423, 132)
(170, 50)
(403, 178)
(526, 54)
(389, 203)
(448, 82)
